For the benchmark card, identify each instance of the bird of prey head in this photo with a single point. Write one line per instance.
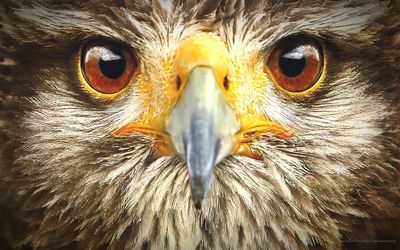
(237, 124)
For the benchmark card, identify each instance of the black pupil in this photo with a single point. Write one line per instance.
(113, 68)
(291, 67)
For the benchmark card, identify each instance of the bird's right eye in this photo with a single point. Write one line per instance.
(107, 69)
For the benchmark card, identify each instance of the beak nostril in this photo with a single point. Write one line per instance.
(178, 83)
(226, 83)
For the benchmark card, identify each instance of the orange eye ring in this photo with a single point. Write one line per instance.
(107, 70)
(296, 65)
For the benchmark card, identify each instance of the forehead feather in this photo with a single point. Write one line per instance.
(133, 21)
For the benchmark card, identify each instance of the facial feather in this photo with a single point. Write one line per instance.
(87, 186)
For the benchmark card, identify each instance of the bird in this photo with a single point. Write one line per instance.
(229, 124)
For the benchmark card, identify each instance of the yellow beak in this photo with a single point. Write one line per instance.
(202, 128)
(202, 125)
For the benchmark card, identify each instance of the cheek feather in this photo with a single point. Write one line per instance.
(156, 90)
(244, 140)
(306, 168)
(247, 85)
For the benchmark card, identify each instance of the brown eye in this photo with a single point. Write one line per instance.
(107, 69)
(296, 65)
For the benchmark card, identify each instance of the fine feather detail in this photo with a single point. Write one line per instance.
(67, 182)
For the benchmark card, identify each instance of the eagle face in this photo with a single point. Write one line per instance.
(214, 124)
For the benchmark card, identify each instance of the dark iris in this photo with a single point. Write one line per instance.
(113, 68)
(291, 67)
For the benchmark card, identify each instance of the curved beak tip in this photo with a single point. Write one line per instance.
(198, 198)
(199, 190)
(197, 203)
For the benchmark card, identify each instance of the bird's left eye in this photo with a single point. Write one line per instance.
(296, 64)
(107, 69)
